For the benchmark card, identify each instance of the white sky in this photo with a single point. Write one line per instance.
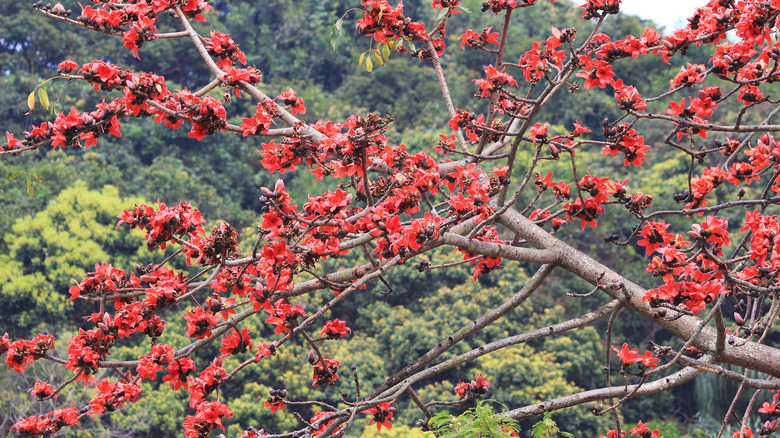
(668, 13)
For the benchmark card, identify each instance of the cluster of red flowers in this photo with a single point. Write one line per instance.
(641, 429)
(208, 381)
(588, 208)
(324, 372)
(691, 282)
(284, 316)
(600, 8)
(497, 6)
(150, 364)
(164, 224)
(628, 357)
(48, 424)
(276, 399)
(209, 414)
(21, 353)
(384, 22)
(692, 271)
(773, 409)
(478, 40)
(103, 281)
(478, 386)
(335, 329)
(221, 244)
(494, 82)
(624, 139)
(537, 62)
(43, 390)
(226, 51)
(259, 124)
(112, 396)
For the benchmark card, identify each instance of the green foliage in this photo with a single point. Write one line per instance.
(478, 422)
(547, 427)
(56, 245)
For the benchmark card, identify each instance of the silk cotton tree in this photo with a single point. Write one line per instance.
(393, 206)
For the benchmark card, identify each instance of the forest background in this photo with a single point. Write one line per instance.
(59, 214)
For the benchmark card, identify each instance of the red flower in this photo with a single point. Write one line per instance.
(647, 360)
(539, 132)
(199, 322)
(654, 236)
(767, 408)
(276, 401)
(44, 389)
(67, 66)
(477, 40)
(480, 385)
(178, 371)
(599, 75)
(495, 81)
(578, 129)
(295, 103)
(628, 97)
(236, 342)
(335, 329)
(382, 415)
(209, 414)
(745, 433)
(627, 357)
(461, 389)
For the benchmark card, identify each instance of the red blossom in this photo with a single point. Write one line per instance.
(382, 415)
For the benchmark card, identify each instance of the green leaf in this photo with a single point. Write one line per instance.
(464, 9)
(412, 46)
(31, 101)
(442, 14)
(369, 65)
(377, 57)
(336, 33)
(30, 189)
(548, 426)
(386, 51)
(43, 96)
(14, 175)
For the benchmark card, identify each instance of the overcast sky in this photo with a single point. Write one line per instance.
(667, 13)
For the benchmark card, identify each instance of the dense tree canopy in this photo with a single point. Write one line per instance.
(480, 210)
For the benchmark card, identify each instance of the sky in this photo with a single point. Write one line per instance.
(668, 13)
